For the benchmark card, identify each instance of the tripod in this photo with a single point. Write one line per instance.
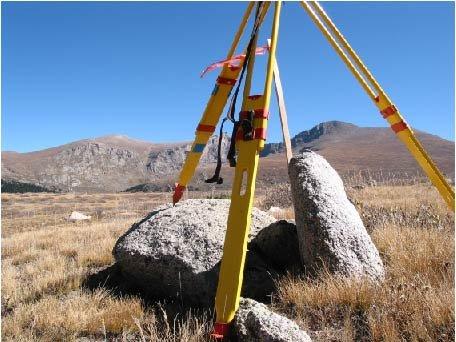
(250, 133)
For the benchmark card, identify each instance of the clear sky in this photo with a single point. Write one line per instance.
(74, 70)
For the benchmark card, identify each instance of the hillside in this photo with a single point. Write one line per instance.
(374, 150)
(110, 163)
(115, 163)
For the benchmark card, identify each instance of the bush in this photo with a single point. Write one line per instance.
(20, 187)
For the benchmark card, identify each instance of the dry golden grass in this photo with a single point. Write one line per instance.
(414, 232)
(414, 303)
(46, 259)
(35, 211)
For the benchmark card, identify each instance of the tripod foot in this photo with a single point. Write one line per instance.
(178, 192)
(220, 331)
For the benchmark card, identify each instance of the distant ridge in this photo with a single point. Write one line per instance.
(322, 129)
(118, 162)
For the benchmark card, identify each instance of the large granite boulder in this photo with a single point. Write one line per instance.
(254, 322)
(329, 228)
(175, 252)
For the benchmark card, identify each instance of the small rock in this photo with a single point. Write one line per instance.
(255, 322)
(77, 216)
(329, 228)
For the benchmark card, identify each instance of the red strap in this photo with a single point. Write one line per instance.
(178, 192)
(228, 81)
(260, 133)
(205, 128)
(388, 111)
(399, 127)
(259, 114)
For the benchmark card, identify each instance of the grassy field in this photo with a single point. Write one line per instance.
(47, 260)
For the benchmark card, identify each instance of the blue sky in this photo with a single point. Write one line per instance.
(73, 70)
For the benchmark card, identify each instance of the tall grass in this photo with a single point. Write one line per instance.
(414, 232)
(46, 261)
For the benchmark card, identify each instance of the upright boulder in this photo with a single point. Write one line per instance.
(254, 322)
(175, 252)
(329, 228)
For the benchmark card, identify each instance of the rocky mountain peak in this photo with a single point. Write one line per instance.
(324, 128)
(118, 162)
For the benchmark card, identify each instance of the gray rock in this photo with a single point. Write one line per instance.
(255, 322)
(330, 230)
(77, 216)
(278, 245)
(175, 252)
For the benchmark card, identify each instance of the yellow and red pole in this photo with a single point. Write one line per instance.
(373, 89)
(239, 217)
(212, 113)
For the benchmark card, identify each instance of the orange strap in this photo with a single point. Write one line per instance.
(205, 128)
(388, 111)
(233, 62)
(398, 127)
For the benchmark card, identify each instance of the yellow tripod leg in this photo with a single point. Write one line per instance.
(383, 103)
(238, 225)
(211, 115)
(406, 135)
(239, 218)
(206, 127)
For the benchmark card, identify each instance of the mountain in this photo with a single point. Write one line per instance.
(110, 163)
(353, 149)
(115, 163)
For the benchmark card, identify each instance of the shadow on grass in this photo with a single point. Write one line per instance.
(111, 279)
(171, 319)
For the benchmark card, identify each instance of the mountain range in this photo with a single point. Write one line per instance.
(117, 162)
